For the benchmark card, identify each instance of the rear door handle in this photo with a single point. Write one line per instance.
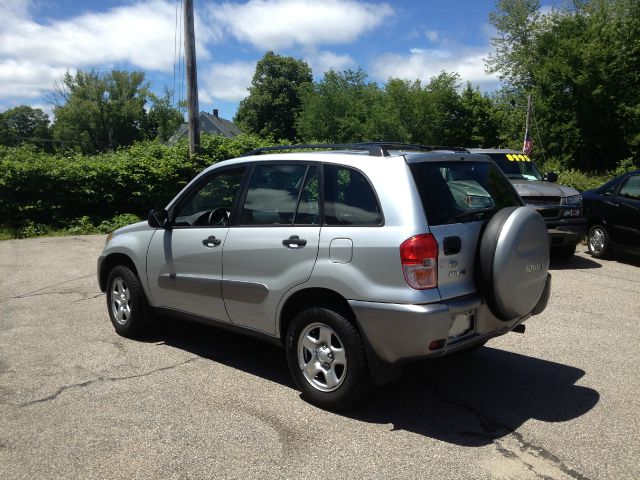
(294, 241)
(211, 242)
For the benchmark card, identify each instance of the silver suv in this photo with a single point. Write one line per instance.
(355, 259)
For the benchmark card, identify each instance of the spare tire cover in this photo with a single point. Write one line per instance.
(514, 260)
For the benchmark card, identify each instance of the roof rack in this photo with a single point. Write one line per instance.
(375, 149)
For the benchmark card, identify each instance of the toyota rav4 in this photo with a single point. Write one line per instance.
(355, 259)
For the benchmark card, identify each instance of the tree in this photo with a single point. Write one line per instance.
(274, 97)
(518, 24)
(342, 107)
(100, 111)
(25, 124)
(163, 119)
(480, 125)
(582, 65)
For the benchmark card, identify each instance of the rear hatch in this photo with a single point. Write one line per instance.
(458, 197)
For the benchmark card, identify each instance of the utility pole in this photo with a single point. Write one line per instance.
(192, 78)
(527, 145)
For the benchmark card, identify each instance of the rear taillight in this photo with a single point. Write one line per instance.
(419, 256)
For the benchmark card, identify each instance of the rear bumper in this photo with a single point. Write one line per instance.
(399, 332)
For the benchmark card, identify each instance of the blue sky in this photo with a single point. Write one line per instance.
(41, 39)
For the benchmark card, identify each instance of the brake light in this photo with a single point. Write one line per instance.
(419, 256)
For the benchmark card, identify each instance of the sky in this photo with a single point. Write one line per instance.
(40, 40)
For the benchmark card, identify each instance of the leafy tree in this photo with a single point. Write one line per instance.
(582, 65)
(342, 107)
(100, 111)
(518, 23)
(480, 123)
(24, 124)
(163, 119)
(274, 97)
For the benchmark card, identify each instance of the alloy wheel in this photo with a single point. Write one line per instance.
(120, 301)
(322, 357)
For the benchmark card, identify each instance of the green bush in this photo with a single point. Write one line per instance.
(582, 181)
(43, 189)
(118, 221)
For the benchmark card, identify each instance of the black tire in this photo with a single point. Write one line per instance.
(564, 253)
(598, 241)
(132, 321)
(355, 381)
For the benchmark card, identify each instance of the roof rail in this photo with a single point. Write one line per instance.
(414, 146)
(375, 149)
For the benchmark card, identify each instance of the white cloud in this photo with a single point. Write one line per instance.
(34, 55)
(277, 24)
(432, 35)
(321, 62)
(141, 34)
(27, 79)
(226, 81)
(423, 64)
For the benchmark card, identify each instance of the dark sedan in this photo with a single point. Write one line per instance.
(613, 215)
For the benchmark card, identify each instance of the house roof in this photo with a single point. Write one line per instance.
(209, 123)
(212, 123)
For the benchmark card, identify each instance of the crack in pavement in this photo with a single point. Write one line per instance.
(493, 431)
(64, 388)
(84, 299)
(34, 292)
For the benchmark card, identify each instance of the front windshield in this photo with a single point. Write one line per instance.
(516, 165)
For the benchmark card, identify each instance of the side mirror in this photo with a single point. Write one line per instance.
(551, 177)
(159, 219)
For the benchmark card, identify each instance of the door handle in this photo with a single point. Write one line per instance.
(294, 241)
(211, 242)
(613, 204)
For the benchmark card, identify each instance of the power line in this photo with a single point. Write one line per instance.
(175, 54)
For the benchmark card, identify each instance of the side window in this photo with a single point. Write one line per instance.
(277, 191)
(212, 202)
(631, 188)
(349, 198)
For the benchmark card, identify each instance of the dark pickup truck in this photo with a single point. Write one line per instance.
(559, 205)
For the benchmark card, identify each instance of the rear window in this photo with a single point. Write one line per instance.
(454, 192)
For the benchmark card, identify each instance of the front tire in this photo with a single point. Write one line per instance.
(327, 359)
(126, 302)
(598, 241)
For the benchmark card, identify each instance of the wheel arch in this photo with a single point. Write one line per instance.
(112, 260)
(313, 296)
(380, 372)
(596, 221)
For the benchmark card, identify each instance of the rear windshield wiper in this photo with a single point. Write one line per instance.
(473, 213)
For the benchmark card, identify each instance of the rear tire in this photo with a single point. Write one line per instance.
(327, 359)
(598, 241)
(564, 253)
(127, 303)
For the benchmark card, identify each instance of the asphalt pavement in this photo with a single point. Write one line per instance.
(191, 402)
